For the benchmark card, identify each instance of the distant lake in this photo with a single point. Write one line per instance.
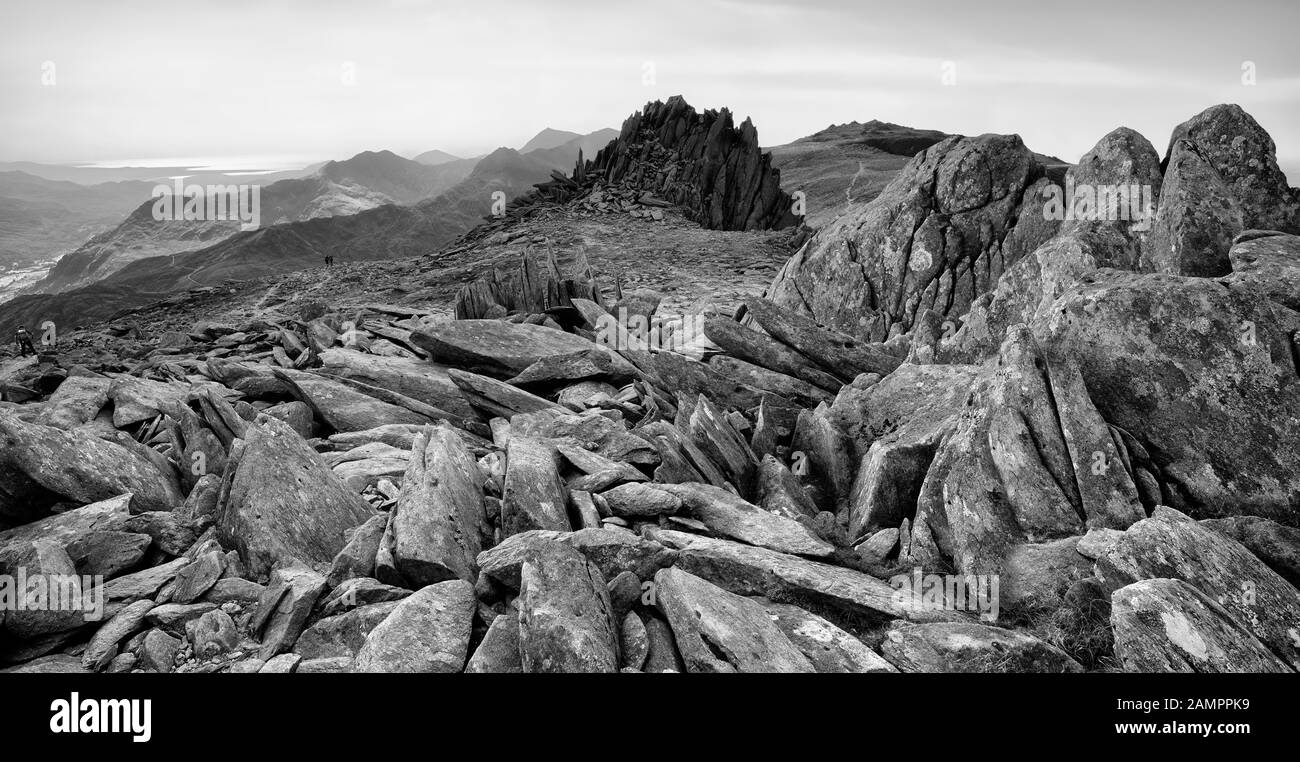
(250, 164)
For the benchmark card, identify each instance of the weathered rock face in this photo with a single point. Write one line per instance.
(964, 647)
(1170, 545)
(935, 239)
(1270, 261)
(83, 467)
(439, 520)
(1167, 625)
(1198, 218)
(1202, 376)
(1102, 229)
(718, 631)
(1245, 157)
(281, 501)
(701, 162)
(427, 632)
(565, 618)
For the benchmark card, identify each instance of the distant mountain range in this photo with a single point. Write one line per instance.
(369, 180)
(384, 232)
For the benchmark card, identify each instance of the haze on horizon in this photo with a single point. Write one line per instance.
(328, 79)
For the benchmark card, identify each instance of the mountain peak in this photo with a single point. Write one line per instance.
(549, 138)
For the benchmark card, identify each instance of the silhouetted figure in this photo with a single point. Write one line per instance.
(24, 340)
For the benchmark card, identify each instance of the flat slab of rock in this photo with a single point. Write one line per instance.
(495, 347)
(1172, 546)
(343, 407)
(83, 467)
(968, 647)
(1167, 625)
(426, 382)
(427, 632)
(831, 591)
(284, 502)
(612, 552)
(499, 651)
(718, 631)
(534, 495)
(829, 648)
(565, 617)
(440, 516)
(73, 526)
(730, 516)
(342, 634)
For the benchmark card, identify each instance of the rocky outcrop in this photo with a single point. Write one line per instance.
(936, 238)
(701, 162)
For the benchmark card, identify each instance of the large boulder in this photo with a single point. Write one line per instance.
(566, 621)
(1202, 376)
(427, 632)
(440, 518)
(83, 467)
(932, 240)
(718, 631)
(1245, 157)
(1167, 625)
(280, 500)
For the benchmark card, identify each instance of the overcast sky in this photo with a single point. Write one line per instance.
(315, 79)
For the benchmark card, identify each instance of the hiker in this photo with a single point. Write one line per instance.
(24, 340)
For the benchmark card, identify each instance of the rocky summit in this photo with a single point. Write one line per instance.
(993, 413)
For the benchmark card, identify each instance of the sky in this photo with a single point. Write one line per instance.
(293, 81)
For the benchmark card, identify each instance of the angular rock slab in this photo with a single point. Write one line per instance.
(495, 347)
(427, 632)
(730, 516)
(83, 467)
(565, 617)
(440, 515)
(281, 501)
(1169, 545)
(612, 552)
(1167, 625)
(967, 647)
(718, 631)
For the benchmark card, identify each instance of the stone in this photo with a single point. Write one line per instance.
(1167, 625)
(103, 644)
(499, 651)
(1169, 545)
(83, 467)
(342, 634)
(534, 496)
(426, 632)
(1197, 219)
(829, 648)
(158, 651)
(495, 347)
(640, 500)
(212, 634)
(268, 516)
(107, 553)
(729, 516)
(634, 644)
(283, 610)
(612, 552)
(718, 631)
(565, 617)
(966, 647)
(440, 515)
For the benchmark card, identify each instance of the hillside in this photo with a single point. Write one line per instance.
(1084, 433)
